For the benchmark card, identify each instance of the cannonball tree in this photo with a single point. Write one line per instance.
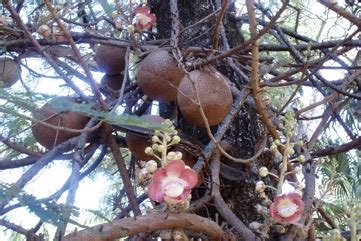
(209, 120)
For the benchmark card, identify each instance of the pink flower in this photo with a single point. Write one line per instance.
(287, 208)
(143, 18)
(172, 183)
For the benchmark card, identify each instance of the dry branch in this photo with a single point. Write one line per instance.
(128, 227)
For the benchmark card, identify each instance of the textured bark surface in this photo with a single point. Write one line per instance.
(245, 131)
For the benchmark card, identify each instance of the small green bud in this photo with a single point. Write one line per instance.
(155, 147)
(277, 142)
(176, 139)
(167, 122)
(167, 138)
(161, 148)
(301, 158)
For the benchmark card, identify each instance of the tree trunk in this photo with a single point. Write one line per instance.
(245, 131)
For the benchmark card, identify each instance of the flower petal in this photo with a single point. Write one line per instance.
(143, 10)
(272, 210)
(175, 168)
(140, 26)
(185, 194)
(190, 176)
(293, 219)
(153, 18)
(155, 192)
(159, 175)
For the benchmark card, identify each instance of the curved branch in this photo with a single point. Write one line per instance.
(246, 43)
(334, 150)
(145, 224)
(28, 233)
(8, 164)
(221, 205)
(333, 6)
(38, 47)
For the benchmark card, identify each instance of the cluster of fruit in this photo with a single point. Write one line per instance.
(159, 76)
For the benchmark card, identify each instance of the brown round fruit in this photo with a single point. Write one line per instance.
(49, 137)
(137, 144)
(113, 82)
(155, 73)
(10, 72)
(214, 94)
(110, 59)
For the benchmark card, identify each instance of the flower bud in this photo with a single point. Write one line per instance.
(167, 122)
(143, 175)
(161, 148)
(177, 234)
(114, 14)
(155, 147)
(322, 160)
(44, 31)
(170, 156)
(155, 139)
(261, 210)
(167, 138)
(263, 172)
(260, 186)
(151, 166)
(301, 158)
(178, 155)
(149, 151)
(277, 142)
(255, 225)
(130, 28)
(118, 24)
(273, 147)
(175, 139)
(298, 170)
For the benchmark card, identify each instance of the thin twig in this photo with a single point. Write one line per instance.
(245, 44)
(333, 6)
(38, 47)
(219, 24)
(222, 207)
